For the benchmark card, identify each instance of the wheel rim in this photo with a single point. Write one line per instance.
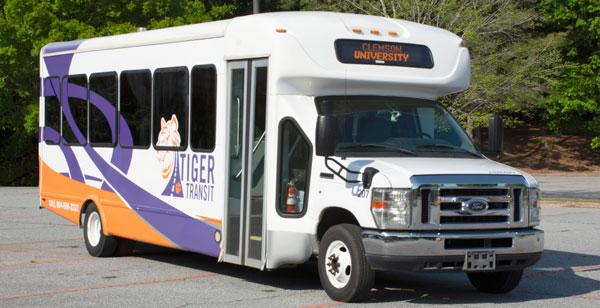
(94, 229)
(338, 264)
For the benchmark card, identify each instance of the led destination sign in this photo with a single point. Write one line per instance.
(383, 53)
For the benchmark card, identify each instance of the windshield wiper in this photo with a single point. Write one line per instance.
(372, 145)
(446, 146)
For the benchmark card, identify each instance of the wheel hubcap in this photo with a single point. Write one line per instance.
(338, 264)
(94, 227)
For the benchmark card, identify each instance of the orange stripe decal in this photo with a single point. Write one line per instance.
(212, 220)
(119, 220)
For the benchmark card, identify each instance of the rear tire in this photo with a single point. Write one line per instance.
(495, 282)
(125, 247)
(97, 244)
(343, 269)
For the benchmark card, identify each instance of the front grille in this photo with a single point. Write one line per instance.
(498, 205)
(473, 192)
(449, 207)
(425, 207)
(472, 219)
(517, 198)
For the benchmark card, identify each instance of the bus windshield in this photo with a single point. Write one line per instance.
(393, 126)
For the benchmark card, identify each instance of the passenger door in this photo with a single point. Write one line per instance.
(244, 222)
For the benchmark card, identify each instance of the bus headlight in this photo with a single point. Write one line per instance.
(391, 208)
(534, 201)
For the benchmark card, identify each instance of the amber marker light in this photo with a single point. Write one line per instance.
(357, 31)
(393, 33)
(379, 205)
(375, 32)
(281, 30)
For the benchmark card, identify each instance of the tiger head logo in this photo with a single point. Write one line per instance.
(168, 137)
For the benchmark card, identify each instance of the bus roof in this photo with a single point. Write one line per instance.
(302, 46)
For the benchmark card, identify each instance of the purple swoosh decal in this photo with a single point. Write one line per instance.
(62, 46)
(59, 66)
(74, 170)
(75, 91)
(182, 230)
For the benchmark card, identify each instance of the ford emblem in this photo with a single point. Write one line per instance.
(475, 205)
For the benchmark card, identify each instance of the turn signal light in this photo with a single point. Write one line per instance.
(379, 205)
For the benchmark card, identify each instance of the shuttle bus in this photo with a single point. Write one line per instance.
(270, 139)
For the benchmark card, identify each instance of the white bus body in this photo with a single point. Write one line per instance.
(203, 138)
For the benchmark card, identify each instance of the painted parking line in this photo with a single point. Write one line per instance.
(559, 295)
(38, 227)
(44, 251)
(324, 305)
(105, 286)
(19, 217)
(562, 270)
(41, 242)
(33, 262)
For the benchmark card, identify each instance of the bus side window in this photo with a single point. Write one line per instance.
(135, 108)
(75, 132)
(204, 108)
(51, 110)
(295, 155)
(103, 89)
(170, 104)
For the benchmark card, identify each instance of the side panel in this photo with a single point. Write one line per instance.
(128, 184)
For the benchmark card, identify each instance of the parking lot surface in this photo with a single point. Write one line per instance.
(43, 262)
(571, 187)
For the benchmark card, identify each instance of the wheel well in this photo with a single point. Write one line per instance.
(82, 212)
(334, 216)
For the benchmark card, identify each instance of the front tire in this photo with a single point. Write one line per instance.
(495, 282)
(343, 268)
(97, 244)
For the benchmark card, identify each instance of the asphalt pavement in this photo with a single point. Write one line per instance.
(570, 187)
(44, 263)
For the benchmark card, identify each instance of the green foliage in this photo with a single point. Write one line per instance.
(575, 101)
(27, 25)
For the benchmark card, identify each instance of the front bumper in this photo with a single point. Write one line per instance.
(445, 251)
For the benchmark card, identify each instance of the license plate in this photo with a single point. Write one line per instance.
(479, 261)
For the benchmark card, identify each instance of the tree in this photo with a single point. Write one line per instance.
(575, 100)
(27, 25)
(513, 66)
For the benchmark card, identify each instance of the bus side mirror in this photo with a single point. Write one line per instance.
(326, 135)
(496, 135)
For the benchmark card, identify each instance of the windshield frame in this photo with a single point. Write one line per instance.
(422, 152)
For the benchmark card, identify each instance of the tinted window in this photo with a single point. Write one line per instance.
(294, 163)
(52, 110)
(135, 107)
(74, 121)
(204, 107)
(170, 107)
(103, 104)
